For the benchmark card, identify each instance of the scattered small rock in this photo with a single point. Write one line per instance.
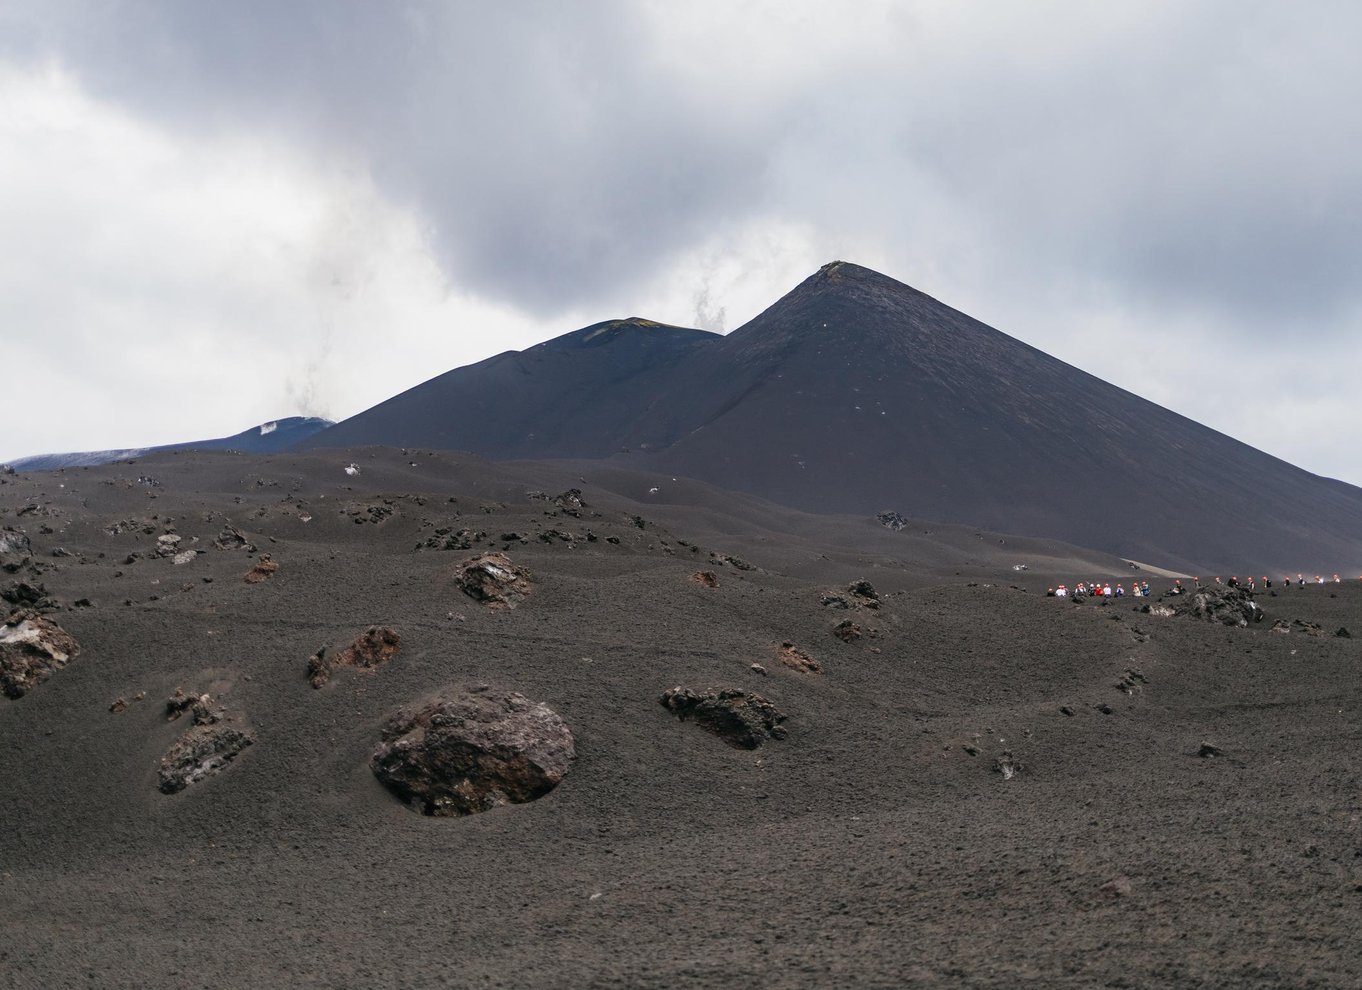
(742, 720)
(119, 705)
(1066, 710)
(200, 706)
(492, 579)
(1117, 887)
(707, 579)
(1007, 765)
(471, 751)
(262, 571)
(797, 659)
(167, 545)
(1208, 750)
(1131, 682)
(446, 538)
(847, 631)
(31, 649)
(729, 560)
(1343, 633)
(758, 669)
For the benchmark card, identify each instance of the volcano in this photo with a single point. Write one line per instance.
(855, 393)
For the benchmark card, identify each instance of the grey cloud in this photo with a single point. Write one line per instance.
(551, 156)
(1199, 152)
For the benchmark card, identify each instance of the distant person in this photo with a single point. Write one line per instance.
(1061, 592)
(1049, 592)
(1266, 582)
(1234, 581)
(1144, 588)
(1286, 581)
(1106, 591)
(1120, 592)
(1300, 580)
(1319, 579)
(1336, 581)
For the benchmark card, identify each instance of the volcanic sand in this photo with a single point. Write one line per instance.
(877, 845)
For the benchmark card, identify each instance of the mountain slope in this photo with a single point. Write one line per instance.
(574, 396)
(856, 393)
(267, 438)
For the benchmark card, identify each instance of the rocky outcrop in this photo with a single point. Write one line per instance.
(473, 750)
(847, 631)
(206, 748)
(742, 720)
(570, 502)
(1229, 606)
(729, 560)
(201, 752)
(374, 647)
(232, 538)
(492, 579)
(863, 593)
(31, 649)
(24, 595)
(858, 594)
(15, 549)
(891, 520)
(200, 707)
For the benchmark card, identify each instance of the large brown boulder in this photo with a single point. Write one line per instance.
(31, 648)
(740, 719)
(473, 750)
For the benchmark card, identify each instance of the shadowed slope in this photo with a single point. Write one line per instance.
(574, 396)
(857, 393)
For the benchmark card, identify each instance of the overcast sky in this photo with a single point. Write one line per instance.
(215, 214)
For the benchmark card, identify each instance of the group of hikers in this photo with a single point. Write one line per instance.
(1140, 589)
(1099, 589)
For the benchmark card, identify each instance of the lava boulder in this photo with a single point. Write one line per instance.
(31, 648)
(492, 579)
(472, 750)
(742, 720)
